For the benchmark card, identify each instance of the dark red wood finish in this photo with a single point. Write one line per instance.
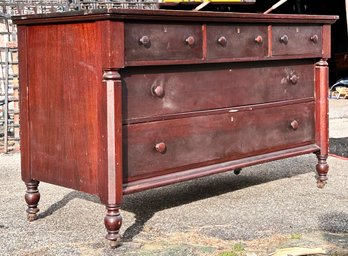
(294, 39)
(217, 86)
(119, 101)
(232, 134)
(237, 41)
(163, 41)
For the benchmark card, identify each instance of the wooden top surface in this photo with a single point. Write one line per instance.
(169, 15)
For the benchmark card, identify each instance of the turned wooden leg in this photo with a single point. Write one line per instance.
(32, 197)
(322, 170)
(113, 222)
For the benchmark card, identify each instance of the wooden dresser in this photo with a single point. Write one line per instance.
(119, 101)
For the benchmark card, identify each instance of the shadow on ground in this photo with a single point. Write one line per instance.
(339, 146)
(145, 204)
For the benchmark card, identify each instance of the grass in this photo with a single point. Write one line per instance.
(238, 250)
(295, 236)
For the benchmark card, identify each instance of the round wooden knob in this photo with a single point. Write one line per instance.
(190, 40)
(157, 90)
(258, 40)
(314, 39)
(145, 40)
(293, 78)
(222, 41)
(294, 125)
(284, 39)
(161, 147)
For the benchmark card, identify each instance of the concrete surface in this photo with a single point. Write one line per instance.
(266, 207)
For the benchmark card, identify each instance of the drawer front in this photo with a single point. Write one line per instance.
(150, 92)
(157, 41)
(226, 41)
(294, 40)
(167, 146)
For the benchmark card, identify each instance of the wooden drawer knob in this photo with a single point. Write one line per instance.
(161, 147)
(145, 40)
(157, 90)
(222, 41)
(293, 78)
(294, 125)
(259, 40)
(284, 39)
(190, 40)
(314, 38)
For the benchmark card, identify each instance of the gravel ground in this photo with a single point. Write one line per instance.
(266, 205)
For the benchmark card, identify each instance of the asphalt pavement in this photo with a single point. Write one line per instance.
(266, 207)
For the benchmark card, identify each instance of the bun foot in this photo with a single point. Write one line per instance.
(115, 243)
(237, 171)
(321, 184)
(31, 217)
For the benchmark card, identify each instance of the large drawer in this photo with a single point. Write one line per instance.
(153, 92)
(295, 40)
(236, 41)
(173, 145)
(157, 41)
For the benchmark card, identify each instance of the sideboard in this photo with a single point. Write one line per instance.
(118, 101)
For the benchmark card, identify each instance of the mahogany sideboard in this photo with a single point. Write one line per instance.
(118, 101)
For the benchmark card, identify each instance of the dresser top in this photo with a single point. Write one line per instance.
(170, 15)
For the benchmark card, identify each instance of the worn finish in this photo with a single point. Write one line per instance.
(294, 39)
(119, 101)
(218, 137)
(202, 88)
(163, 41)
(237, 41)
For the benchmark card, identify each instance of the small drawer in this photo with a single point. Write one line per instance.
(153, 92)
(148, 42)
(237, 41)
(295, 40)
(174, 145)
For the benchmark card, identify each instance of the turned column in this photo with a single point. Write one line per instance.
(322, 120)
(32, 197)
(113, 219)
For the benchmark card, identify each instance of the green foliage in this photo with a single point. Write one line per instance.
(295, 236)
(238, 247)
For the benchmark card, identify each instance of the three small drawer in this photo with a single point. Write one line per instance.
(172, 145)
(157, 41)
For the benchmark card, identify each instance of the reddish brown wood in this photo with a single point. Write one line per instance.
(236, 41)
(111, 102)
(64, 80)
(326, 41)
(296, 39)
(158, 181)
(164, 41)
(113, 222)
(32, 198)
(24, 103)
(221, 137)
(322, 120)
(169, 15)
(261, 83)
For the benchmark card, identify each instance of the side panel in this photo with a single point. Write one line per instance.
(65, 87)
(24, 103)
